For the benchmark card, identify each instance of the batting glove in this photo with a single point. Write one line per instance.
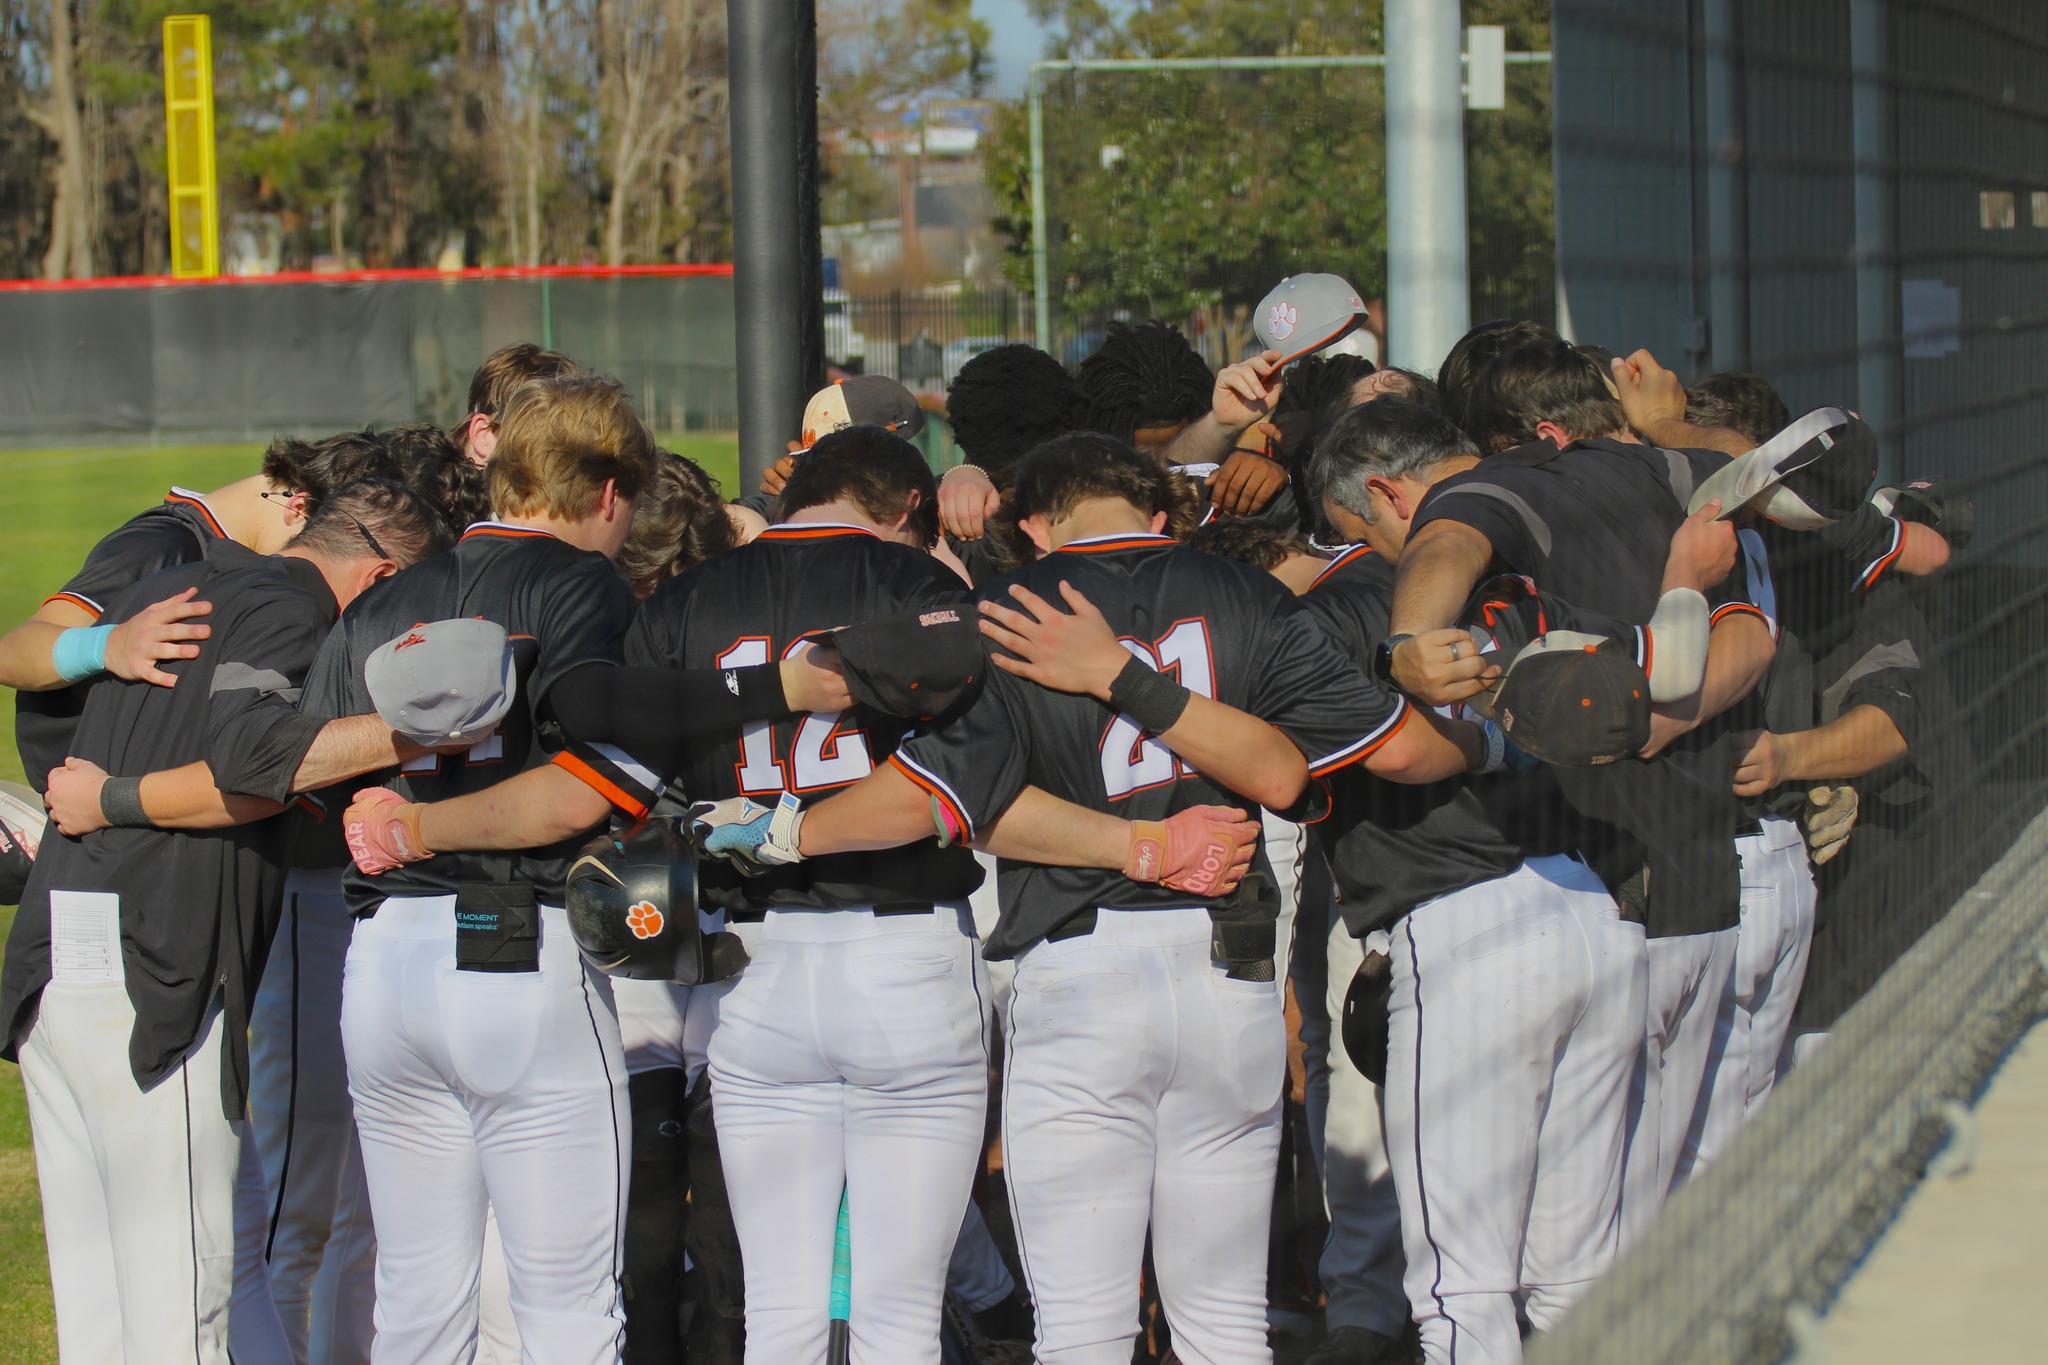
(1204, 850)
(383, 831)
(1830, 815)
(751, 837)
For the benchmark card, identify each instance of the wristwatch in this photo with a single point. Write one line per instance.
(1383, 657)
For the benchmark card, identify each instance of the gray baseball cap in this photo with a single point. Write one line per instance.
(444, 683)
(1304, 313)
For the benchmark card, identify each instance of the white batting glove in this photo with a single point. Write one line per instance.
(1830, 815)
(751, 837)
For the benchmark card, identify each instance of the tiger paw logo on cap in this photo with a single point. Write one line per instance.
(644, 920)
(1280, 321)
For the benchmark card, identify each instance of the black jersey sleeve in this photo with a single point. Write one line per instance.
(255, 688)
(1881, 663)
(1484, 500)
(1868, 540)
(976, 765)
(1318, 698)
(125, 556)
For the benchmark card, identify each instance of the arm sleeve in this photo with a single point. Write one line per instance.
(124, 557)
(976, 765)
(1334, 712)
(254, 689)
(635, 727)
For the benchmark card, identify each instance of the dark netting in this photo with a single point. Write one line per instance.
(249, 359)
(1852, 201)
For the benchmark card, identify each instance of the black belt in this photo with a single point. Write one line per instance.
(881, 911)
(1245, 946)
(1745, 828)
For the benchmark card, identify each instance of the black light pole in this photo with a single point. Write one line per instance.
(778, 269)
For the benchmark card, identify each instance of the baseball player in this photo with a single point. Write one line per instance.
(155, 937)
(1146, 1047)
(1573, 502)
(854, 1040)
(293, 1076)
(483, 1058)
(1507, 1070)
(502, 374)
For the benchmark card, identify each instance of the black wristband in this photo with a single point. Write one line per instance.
(121, 803)
(1148, 697)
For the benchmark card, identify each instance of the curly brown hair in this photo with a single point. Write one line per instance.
(680, 522)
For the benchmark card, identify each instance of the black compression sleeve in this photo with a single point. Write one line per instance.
(653, 713)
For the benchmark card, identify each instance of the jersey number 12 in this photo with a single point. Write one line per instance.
(822, 754)
(1130, 761)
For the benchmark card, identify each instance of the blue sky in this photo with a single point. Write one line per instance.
(1016, 40)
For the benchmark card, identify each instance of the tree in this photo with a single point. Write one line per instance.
(70, 251)
(1188, 195)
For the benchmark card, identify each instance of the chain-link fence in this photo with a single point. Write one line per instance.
(1850, 199)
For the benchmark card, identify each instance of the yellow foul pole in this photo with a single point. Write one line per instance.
(188, 123)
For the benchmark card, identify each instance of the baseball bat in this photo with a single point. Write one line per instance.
(839, 1337)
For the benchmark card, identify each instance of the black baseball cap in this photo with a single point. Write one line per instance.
(917, 665)
(1575, 700)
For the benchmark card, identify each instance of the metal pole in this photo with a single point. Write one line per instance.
(1428, 281)
(1879, 361)
(1041, 298)
(1727, 187)
(778, 302)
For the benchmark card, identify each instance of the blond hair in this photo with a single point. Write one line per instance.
(560, 440)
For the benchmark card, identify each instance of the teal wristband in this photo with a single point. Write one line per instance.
(81, 652)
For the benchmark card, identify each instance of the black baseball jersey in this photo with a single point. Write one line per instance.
(561, 606)
(1592, 524)
(178, 530)
(1224, 630)
(751, 606)
(1392, 846)
(198, 908)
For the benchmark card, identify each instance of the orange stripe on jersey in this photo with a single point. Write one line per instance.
(84, 604)
(812, 532)
(514, 532)
(1140, 542)
(212, 522)
(599, 783)
(1350, 556)
(1367, 750)
(936, 794)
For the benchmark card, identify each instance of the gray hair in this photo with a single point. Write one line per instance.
(1387, 438)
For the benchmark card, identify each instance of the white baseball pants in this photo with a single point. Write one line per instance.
(318, 1236)
(851, 1055)
(1286, 849)
(499, 1087)
(1771, 947)
(1143, 1089)
(1688, 980)
(138, 1185)
(1514, 1027)
(1361, 1264)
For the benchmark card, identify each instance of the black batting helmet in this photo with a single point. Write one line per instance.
(632, 902)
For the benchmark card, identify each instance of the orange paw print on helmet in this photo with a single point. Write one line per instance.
(644, 920)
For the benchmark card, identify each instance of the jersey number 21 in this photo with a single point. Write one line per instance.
(1130, 761)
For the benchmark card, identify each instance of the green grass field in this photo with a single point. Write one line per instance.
(62, 501)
